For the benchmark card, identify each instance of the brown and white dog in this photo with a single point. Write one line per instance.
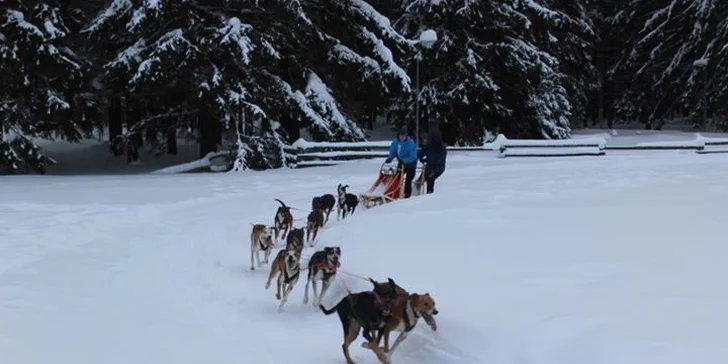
(261, 240)
(283, 220)
(287, 265)
(406, 312)
(314, 224)
(322, 267)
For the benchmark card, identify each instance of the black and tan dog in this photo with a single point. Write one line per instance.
(314, 224)
(406, 312)
(287, 265)
(347, 202)
(283, 220)
(325, 203)
(261, 240)
(365, 311)
(322, 267)
(295, 240)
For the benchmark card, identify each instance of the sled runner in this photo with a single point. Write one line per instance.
(389, 186)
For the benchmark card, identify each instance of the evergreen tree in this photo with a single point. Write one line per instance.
(209, 60)
(500, 67)
(566, 30)
(671, 58)
(41, 76)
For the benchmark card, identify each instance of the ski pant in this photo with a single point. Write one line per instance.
(409, 176)
(430, 177)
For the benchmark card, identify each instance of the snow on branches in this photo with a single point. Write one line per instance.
(673, 56)
(35, 62)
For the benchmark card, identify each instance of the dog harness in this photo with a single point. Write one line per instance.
(262, 246)
(408, 326)
(329, 270)
(287, 279)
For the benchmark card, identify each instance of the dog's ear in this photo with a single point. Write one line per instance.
(391, 281)
(415, 297)
(373, 282)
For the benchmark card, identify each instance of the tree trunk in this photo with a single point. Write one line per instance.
(115, 128)
(209, 132)
(172, 142)
(131, 116)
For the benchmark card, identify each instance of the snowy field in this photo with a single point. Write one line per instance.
(602, 260)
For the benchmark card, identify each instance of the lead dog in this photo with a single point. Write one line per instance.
(287, 265)
(322, 267)
(261, 240)
(365, 311)
(406, 312)
(283, 220)
(347, 202)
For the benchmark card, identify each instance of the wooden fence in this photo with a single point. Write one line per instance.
(310, 154)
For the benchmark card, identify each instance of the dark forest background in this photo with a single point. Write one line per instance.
(256, 73)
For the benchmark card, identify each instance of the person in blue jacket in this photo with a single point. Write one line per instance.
(405, 150)
(433, 154)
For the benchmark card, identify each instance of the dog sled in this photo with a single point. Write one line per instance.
(389, 185)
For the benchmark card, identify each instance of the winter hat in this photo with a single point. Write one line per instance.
(402, 130)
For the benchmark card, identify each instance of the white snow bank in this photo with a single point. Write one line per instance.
(303, 144)
(352, 153)
(556, 152)
(194, 165)
(501, 141)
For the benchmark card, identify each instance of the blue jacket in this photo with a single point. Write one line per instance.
(434, 153)
(405, 151)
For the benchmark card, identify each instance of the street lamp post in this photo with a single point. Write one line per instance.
(703, 64)
(427, 40)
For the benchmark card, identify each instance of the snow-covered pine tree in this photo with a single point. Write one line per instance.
(261, 56)
(566, 30)
(40, 77)
(672, 58)
(362, 65)
(608, 44)
(487, 73)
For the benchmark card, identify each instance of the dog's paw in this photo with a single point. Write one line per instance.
(278, 297)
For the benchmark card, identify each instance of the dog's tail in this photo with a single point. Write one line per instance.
(328, 312)
(281, 202)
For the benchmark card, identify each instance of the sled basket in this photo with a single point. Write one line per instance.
(389, 185)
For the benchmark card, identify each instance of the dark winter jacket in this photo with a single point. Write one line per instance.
(405, 151)
(434, 153)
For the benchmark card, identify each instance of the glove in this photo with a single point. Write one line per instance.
(389, 160)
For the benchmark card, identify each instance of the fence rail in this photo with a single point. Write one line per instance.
(310, 154)
(303, 154)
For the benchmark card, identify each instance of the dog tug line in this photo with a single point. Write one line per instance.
(378, 312)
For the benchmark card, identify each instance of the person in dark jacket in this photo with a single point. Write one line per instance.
(434, 155)
(405, 150)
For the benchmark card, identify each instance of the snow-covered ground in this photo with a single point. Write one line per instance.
(613, 260)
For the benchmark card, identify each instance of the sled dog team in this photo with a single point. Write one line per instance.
(386, 308)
